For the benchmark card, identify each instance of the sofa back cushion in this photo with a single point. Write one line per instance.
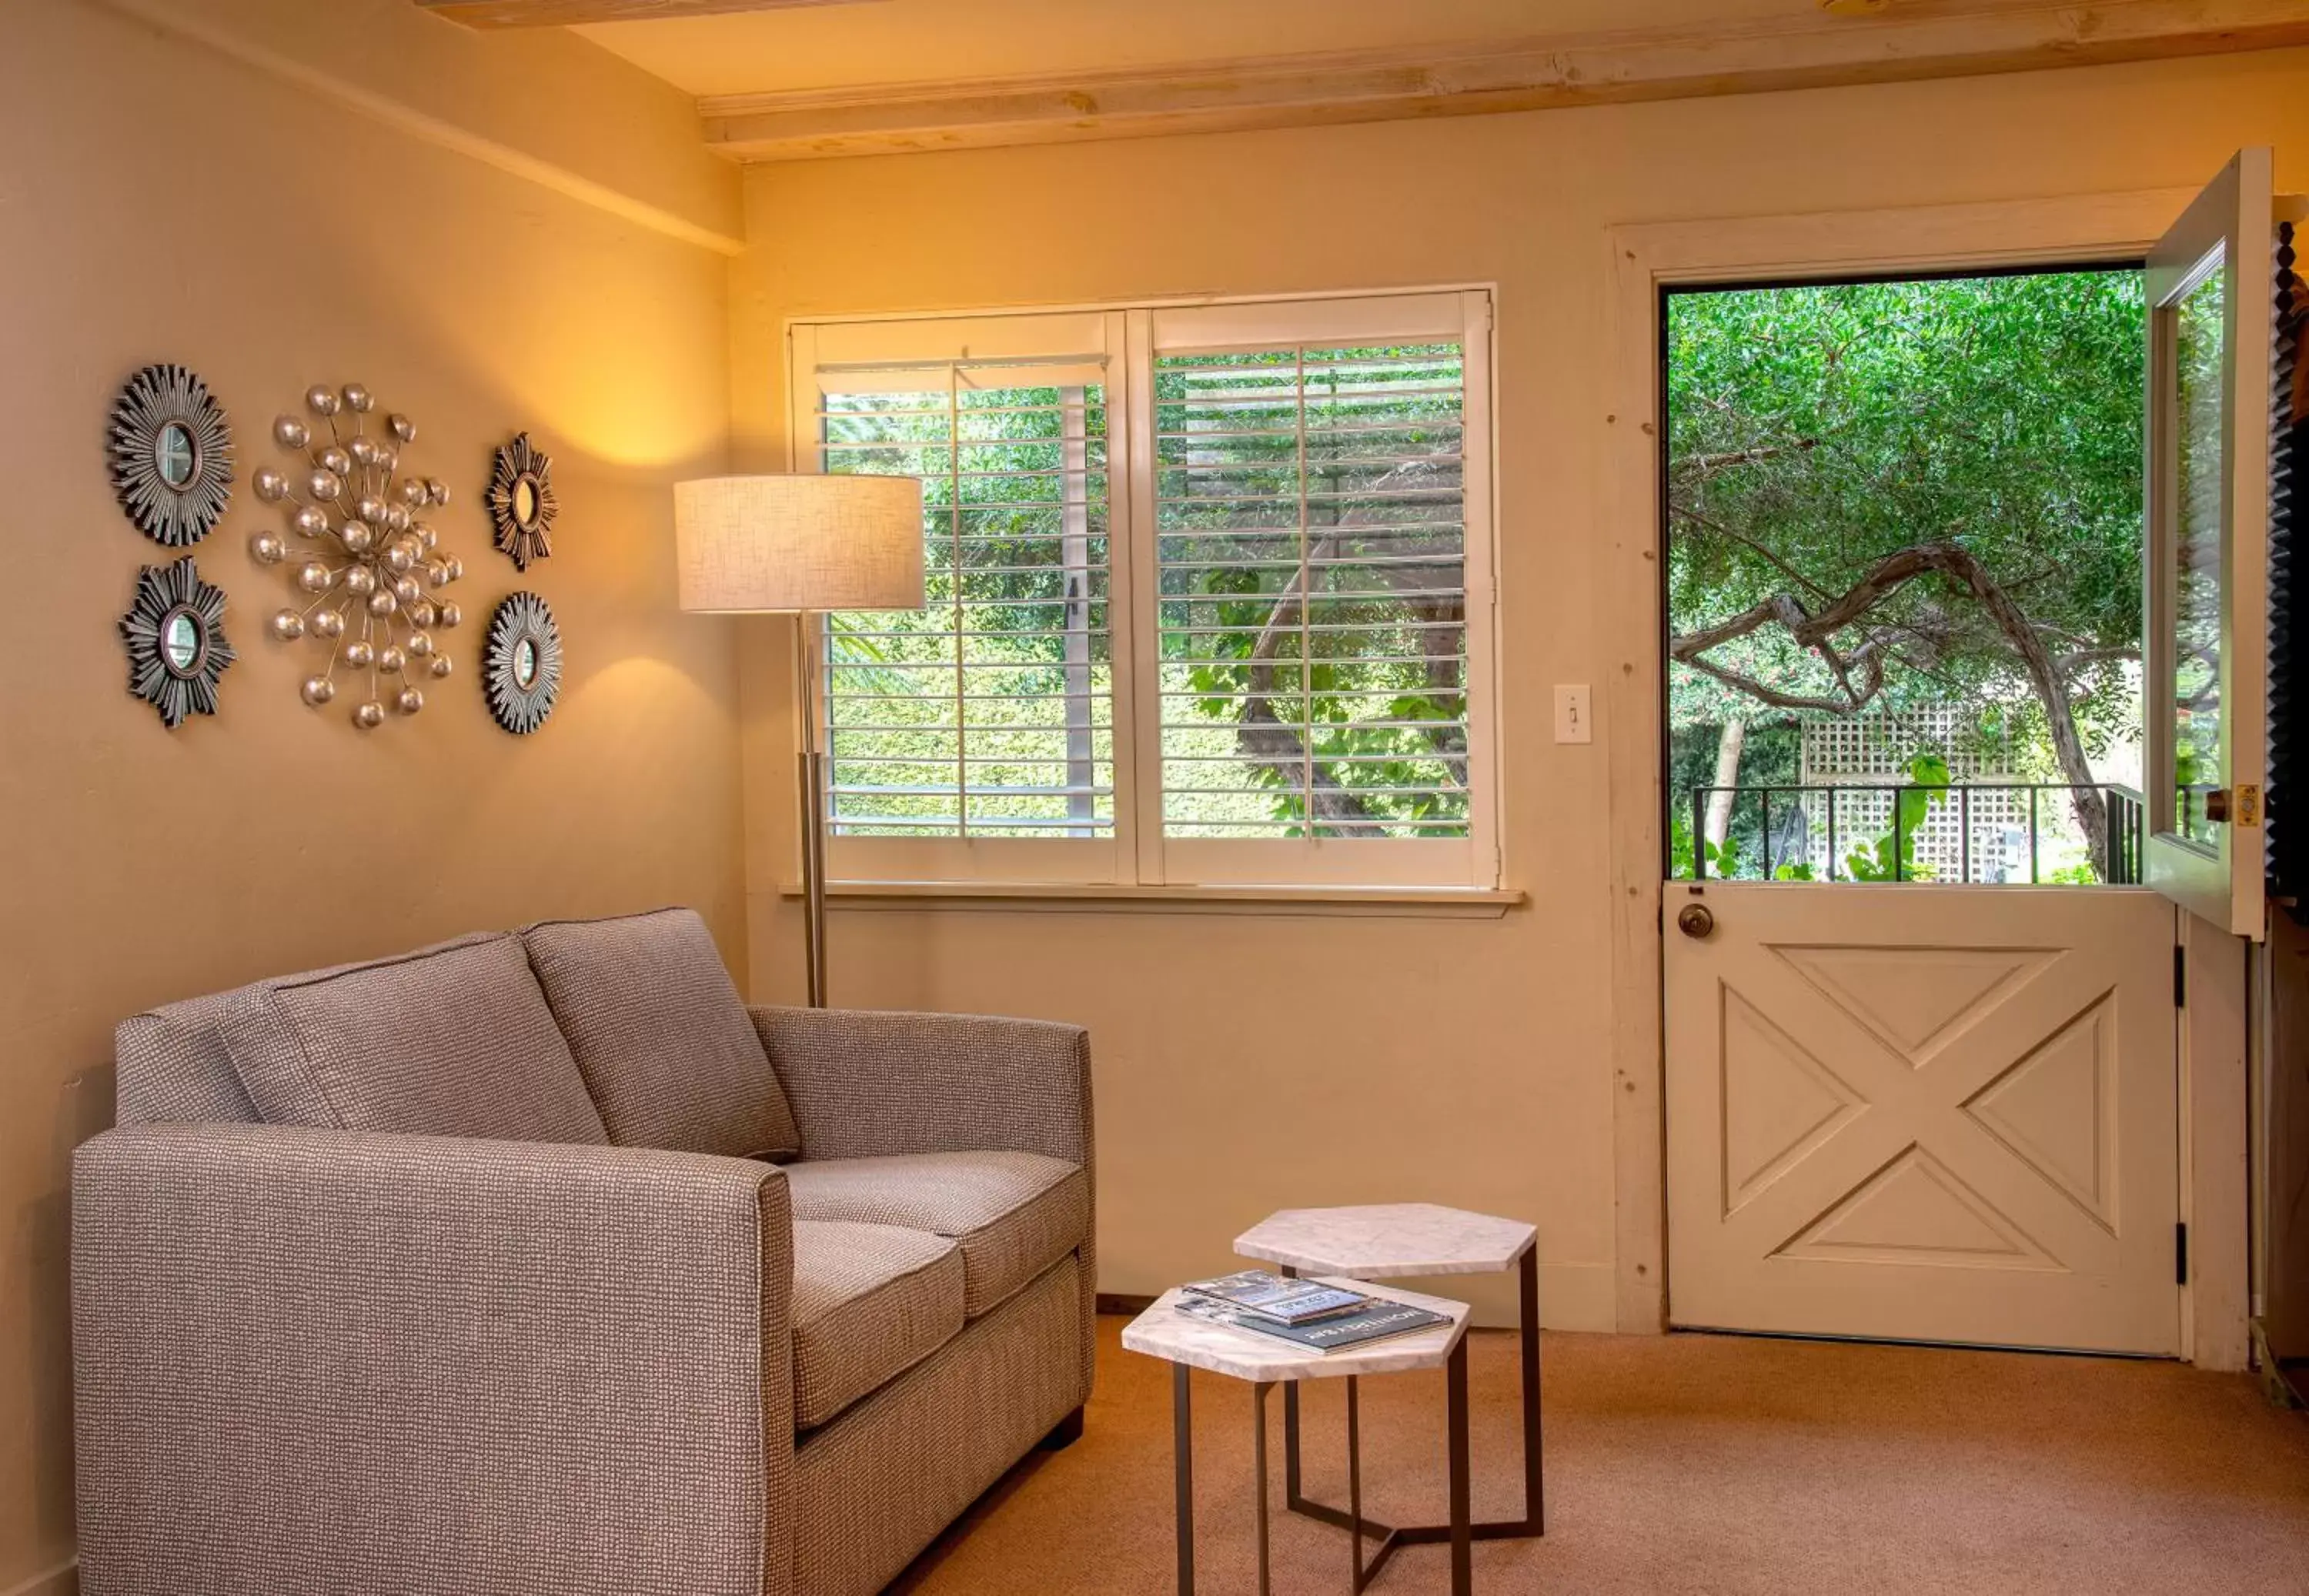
(455, 1041)
(667, 1047)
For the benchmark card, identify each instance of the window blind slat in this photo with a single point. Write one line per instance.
(1315, 685)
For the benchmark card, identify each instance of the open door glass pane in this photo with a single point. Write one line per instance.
(2200, 336)
(2211, 294)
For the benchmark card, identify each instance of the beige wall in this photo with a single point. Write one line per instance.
(160, 201)
(1250, 1062)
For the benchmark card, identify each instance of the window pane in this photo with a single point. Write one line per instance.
(2200, 333)
(1312, 605)
(989, 713)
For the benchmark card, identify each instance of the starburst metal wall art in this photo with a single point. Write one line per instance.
(177, 647)
(367, 568)
(521, 502)
(171, 455)
(521, 663)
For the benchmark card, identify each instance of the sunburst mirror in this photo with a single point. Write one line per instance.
(177, 647)
(521, 503)
(521, 663)
(171, 455)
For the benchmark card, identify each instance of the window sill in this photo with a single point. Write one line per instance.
(1422, 902)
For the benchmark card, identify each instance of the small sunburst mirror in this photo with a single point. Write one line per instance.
(522, 504)
(177, 647)
(171, 455)
(521, 663)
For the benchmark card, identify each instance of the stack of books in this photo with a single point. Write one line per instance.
(1308, 1314)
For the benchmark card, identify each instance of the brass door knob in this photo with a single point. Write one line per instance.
(2217, 805)
(1695, 919)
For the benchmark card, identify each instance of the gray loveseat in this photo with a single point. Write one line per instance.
(467, 1272)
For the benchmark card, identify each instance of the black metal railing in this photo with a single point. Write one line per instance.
(1889, 836)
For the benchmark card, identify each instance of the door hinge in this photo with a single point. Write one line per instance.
(2180, 977)
(2181, 1254)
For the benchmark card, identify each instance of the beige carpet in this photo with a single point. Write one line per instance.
(1696, 1463)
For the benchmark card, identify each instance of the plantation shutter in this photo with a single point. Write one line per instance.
(1314, 470)
(989, 714)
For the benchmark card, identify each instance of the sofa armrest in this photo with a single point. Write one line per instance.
(326, 1360)
(865, 1083)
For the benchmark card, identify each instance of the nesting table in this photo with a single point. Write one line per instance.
(1350, 1246)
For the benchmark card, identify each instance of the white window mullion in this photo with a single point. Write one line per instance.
(1137, 696)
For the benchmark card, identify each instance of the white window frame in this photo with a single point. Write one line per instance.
(1128, 339)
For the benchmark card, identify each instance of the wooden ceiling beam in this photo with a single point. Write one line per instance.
(1383, 85)
(563, 14)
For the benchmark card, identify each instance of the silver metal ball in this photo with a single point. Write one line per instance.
(309, 522)
(370, 510)
(449, 616)
(382, 603)
(413, 493)
(438, 489)
(397, 556)
(324, 485)
(388, 459)
(336, 459)
(441, 665)
(360, 581)
(421, 644)
(315, 577)
(288, 626)
(318, 690)
(409, 701)
(363, 451)
(266, 550)
(436, 572)
(329, 623)
(359, 654)
(420, 614)
(356, 537)
(322, 401)
(407, 591)
(359, 400)
(396, 518)
(402, 428)
(369, 716)
(456, 568)
(390, 659)
(271, 485)
(427, 539)
(290, 433)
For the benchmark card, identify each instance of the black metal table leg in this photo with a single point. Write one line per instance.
(1463, 1574)
(1534, 1474)
(1182, 1453)
(1355, 1486)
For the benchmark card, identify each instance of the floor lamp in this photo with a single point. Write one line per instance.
(800, 545)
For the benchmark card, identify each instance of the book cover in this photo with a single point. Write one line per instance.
(1383, 1320)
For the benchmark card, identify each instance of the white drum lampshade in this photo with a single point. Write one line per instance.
(754, 544)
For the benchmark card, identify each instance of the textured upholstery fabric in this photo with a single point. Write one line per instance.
(455, 1041)
(666, 1046)
(869, 1302)
(864, 1084)
(876, 1485)
(173, 1065)
(315, 1360)
(1013, 1214)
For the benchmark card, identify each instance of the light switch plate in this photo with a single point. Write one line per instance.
(1571, 717)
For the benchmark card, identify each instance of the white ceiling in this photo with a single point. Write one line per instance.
(887, 41)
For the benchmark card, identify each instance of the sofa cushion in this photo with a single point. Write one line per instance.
(668, 1051)
(869, 1302)
(453, 1041)
(1012, 1214)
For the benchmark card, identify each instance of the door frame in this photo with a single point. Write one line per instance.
(1645, 258)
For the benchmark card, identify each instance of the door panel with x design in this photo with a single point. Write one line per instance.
(1937, 1113)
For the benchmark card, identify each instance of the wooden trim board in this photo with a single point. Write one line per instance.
(562, 14)
(1812, 51)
